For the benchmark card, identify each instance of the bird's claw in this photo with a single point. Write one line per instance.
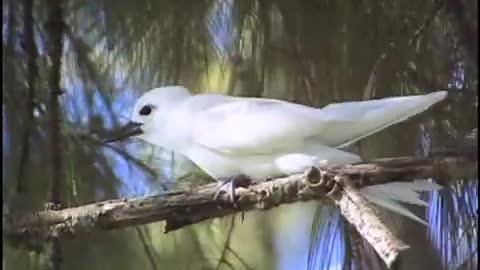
(229, 185)
(226, 187)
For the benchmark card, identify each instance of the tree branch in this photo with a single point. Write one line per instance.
(55, 26)
(32, 72)
(337, 184)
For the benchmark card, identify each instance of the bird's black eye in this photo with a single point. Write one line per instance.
(146, 110)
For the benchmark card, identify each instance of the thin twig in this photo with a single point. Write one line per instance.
(227, 243)
(147, 249)
(242, 261)
(428, 20)
(370, 89)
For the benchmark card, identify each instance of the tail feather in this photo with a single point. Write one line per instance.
(374, 115)
(388, 196)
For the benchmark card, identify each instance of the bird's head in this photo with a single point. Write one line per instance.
(148, 114)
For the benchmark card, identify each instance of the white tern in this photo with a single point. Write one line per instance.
(257, 137)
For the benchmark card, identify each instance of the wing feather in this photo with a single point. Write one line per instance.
(263, 126)
(257, 126)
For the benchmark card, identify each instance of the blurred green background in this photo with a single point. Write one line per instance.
(311, 52)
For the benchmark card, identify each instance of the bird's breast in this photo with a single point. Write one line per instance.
(223, 165)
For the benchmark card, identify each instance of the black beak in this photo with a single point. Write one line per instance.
(129, 130)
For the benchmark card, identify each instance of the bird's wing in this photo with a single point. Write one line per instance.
(256, 126)
(264, 126)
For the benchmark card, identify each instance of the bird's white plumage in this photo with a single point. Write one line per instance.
(227, 136)
(374, 115)
(387, 195)
(254, 126)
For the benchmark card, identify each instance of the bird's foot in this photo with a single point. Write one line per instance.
(229, 185)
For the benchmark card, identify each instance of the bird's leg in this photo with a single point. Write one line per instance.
(270, 178)
(228, 186)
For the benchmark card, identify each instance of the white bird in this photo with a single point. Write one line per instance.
(257, 137)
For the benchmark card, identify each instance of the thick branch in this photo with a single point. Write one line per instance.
(182, 208)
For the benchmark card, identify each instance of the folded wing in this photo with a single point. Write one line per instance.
(263, 126)
(258, 126)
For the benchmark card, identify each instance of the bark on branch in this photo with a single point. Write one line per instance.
(181, 208)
